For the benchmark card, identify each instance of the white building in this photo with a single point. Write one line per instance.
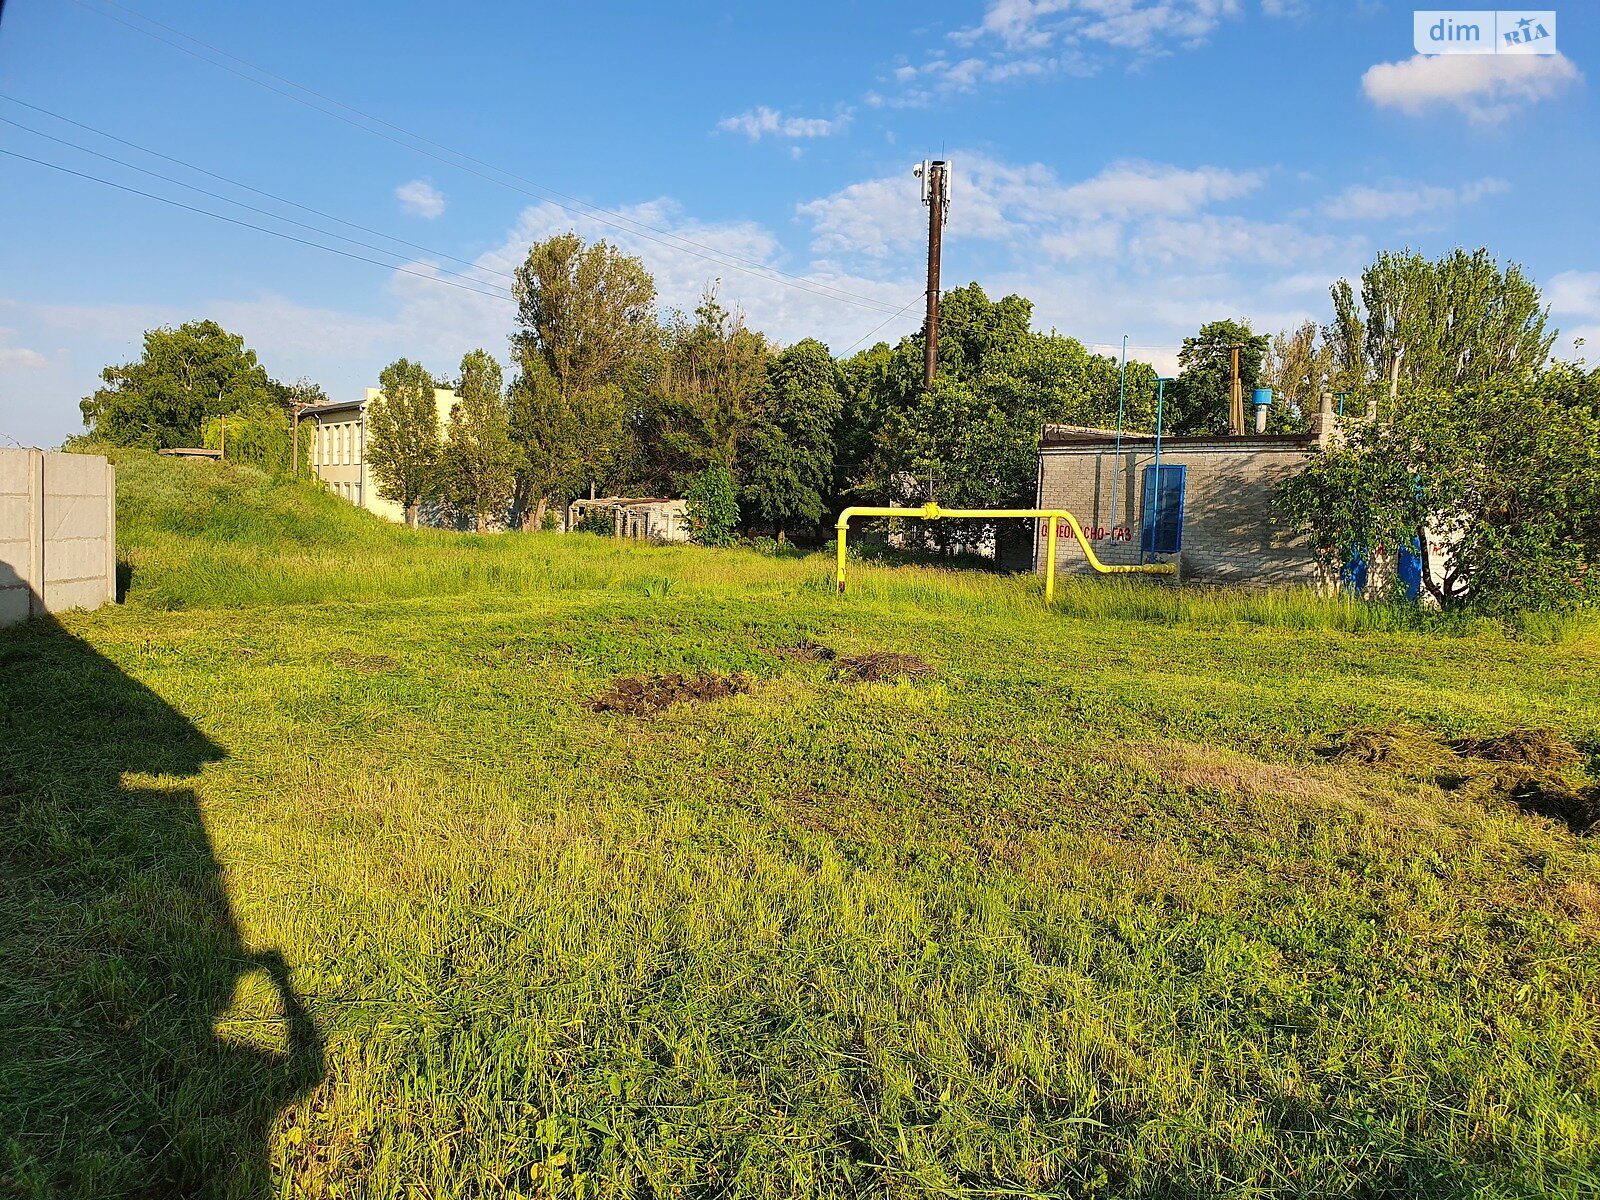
(338, 449)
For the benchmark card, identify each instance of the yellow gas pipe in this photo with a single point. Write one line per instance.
(932, 512)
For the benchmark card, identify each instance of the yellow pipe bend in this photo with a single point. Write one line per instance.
(932, 512)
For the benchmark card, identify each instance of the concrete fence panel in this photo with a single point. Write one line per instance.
(58, 533)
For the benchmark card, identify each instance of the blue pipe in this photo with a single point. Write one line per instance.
(1116, 465)
(1161, 395)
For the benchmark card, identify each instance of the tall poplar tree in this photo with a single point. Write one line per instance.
(479, 460)
(586, 335)
(403, 437)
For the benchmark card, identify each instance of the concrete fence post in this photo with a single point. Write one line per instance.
(111, 533)
(35, 578)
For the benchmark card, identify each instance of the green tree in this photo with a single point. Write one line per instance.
(479, 460)
(259, 435)
(1497, 484)
(713, 376)
(1198, 401)
(1297, 365)
(1450, 323)
(403, 436)
(186, 375)
(972, 441)
(585, 344)
(786, 455)
(1345, 338)
(713, 507)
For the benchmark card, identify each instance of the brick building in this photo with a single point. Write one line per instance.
(1211, 512)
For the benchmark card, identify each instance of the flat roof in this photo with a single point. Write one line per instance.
(1055, 439)
(619, 501)
(315, 409)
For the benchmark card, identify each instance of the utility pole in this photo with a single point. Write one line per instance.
(1236, 398)
(935, 178)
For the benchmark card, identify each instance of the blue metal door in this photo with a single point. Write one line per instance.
(1162, 531)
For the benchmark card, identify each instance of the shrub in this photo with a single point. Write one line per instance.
(1497, 484)
(713, 507)
(601, 521)
(259, 436)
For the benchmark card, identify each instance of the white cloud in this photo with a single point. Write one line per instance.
(421, 199)
(1397, 203)
(762, 122)
(1213, 241)
(679, 251)
(19, 356)
(1140, 26)
(1129, 24)
(1486, 87)
(1091, 240)
(999, 201)
(1129, 188)
(1576, 293)
(870, 218)
(1021, 39)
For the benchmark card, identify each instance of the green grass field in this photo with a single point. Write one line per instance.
(322, 878)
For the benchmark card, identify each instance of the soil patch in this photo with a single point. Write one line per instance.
(640, 695)
(881, 667)
(367, 664)
(807, 650)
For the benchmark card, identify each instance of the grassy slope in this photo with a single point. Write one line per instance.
(1082, 912)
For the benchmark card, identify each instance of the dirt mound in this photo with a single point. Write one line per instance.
(881, 667)
(639, 696)
(1523, 766)
(367, 664)
(1541, 748)
(806, 650)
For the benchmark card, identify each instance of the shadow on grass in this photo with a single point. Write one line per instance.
(118, 949)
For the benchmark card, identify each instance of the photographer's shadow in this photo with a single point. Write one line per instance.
(119, 951)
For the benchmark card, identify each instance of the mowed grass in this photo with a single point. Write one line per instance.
(323, 880)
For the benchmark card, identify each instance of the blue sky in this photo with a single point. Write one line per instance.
(1133, 166)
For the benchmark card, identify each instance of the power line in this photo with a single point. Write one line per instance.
(880, 325)
(289, 237)
(1131, 346)
(241, 204)
(461, 160)
(244, 186)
